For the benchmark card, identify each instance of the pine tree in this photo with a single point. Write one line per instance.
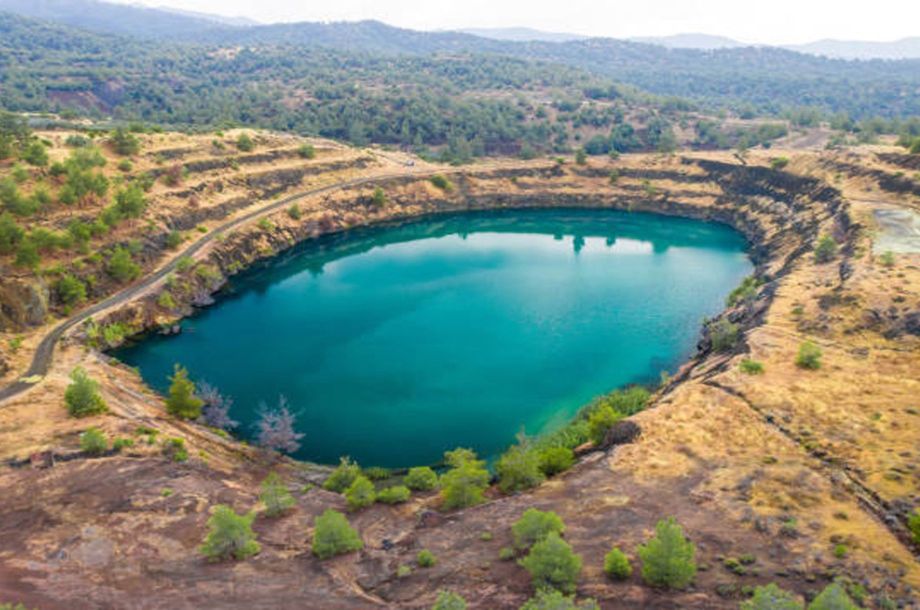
(231, 535)
(182, 401)
(668, 557)
(82, 395)
(275, 496)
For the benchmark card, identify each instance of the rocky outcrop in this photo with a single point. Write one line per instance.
(23, 303)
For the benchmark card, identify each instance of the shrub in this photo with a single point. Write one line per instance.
(887, 259)
(394, 495)
(771, 597)
(616, 565)
(122, 443)
(668, 557)
(825, 250)
(275, 496)
(121, 266)
(182, 401)
(125, 143)
(11, 234)
(552, 564)
(125, 166)
(277, 429)
(130, 202)
(449, 601)
(421, 478)
(425, 559)
(519, 469)
(294, 212)
(166, 300)
(230, 535)
(35, 154)
(306, 151)
(343, 476)
(751, 367)
(377, 473)
(332, 535)
(174, 449)
(70, 290)
(913, 524)
(779, 162)
(245, 143)
(379, 198)
(360, 493)
(403, 570)
(554, 460)
(600, 421)
(723, 334)
(27, 255)
(581, 157)
(93, 442)
(463, 485)
(82, 396)
(744, 292)
(441, 182)
(548, 599)
(535, 525)
(506, 553)
(833, 597)
(809, 356)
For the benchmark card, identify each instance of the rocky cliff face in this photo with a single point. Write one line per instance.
(23, 303)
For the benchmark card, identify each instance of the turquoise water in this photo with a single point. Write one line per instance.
(396, 343)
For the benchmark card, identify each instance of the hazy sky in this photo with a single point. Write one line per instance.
(775, 21)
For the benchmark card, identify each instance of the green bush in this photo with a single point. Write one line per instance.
(377, 473)
(552, 564)
(616, 565)
(174, 449)
(122, 443)
(121, 265)
(518, 469)
(449, 601)
(887, 259)
(245, 143)
(421, 478)
(751, 367)
(506, 553)
(825, 250)
(70, 290)
(913, 524)
(668, 557)
(554, 460)
(548, 599)
(809, 356)
(425, 559)
(94, 442)
(125, 143)
(332, 535)
(581, 157)
(35, 154)
(535, 525)
(771, 597)
(441, 181)
(779, 162)
(294, 212)
(343, 476)
(182, 402)
(745, 292)
(360, 493)
(275, 496)
(394, 495)
(306, 151)
(11, 234)
(723, 334)
(230, 535)
(82, 396)
(464, 484)
(833, 597)
(600, 421)
(379, 198)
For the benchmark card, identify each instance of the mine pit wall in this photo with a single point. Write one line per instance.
(780, 214)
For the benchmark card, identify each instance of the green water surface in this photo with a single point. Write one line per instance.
(394, 344)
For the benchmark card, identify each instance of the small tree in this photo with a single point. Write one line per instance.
(616, 565)
(425, 559)
(360, 493)
(833, 597)
(215, 412)
(913, 524)
(441, 182)
(276, 429)
(600, 421)
(421, 478)
(554, 460)
(581, 157)
(548, 599)
(125, 143)
(449, 601)
(394, 495)
(93, 442)
(519, 469)
(306, 151)
(332, 535)
(230, 535)
(809, 356)
(70, 290)
(668, 557)
(379, 198)
(343, 475)
(182, 401)
(121, 265)
(552, 564)
(535, 525)
(771, 597)
(825, 250)
(275, 496)
(723, 334)
(463, 485)
(82, 395)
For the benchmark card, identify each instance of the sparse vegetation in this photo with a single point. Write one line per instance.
(833, 597)
(616, 565)
(519, 468)
(421, 478)
(535, 525)
(245, 143)
(449, 601)
(550, 599)
(93, 442)
(425, 559)
(333, 535)
(441, 182)
(275, 496)
(182, 401)
(552, 564)
(360, 494)
(554, 460)
(306, 151)
(463, 485)
(82, 395)
(394, 495)
(771, 597)
(825, 250)
(343, 476)
(723, 334)
(230, 535)
(809, 356)
(751, 367)
(913, 524)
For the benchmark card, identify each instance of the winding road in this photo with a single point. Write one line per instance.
(41, 359)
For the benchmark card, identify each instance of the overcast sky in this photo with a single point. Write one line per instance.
(773, 21)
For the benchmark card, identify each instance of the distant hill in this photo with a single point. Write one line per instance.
(906, 48)
(220, 19)
(691, 41)
(522, 34)
(123, 19)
